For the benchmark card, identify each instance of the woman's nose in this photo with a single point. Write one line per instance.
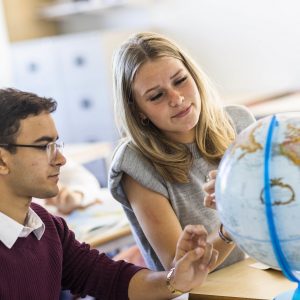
(175, 99)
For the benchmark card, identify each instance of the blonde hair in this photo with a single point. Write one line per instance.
(214, 131)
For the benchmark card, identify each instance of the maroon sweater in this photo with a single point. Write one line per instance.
(36, 270)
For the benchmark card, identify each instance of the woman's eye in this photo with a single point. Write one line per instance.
(177, 82)
(156, 97)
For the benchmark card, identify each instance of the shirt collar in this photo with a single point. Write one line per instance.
(10, 230)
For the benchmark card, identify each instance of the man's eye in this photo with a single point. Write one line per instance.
(156, 97)
(42, 147)
(177, 82)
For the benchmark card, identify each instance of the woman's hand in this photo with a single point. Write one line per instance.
(209, 189)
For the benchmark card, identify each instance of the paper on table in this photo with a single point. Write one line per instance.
(182, 297)
(95, 219)
(259, 265)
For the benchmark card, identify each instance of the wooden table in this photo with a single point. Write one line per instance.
(112, 239)
(240, 281)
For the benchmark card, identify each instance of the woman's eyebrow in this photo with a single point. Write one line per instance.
(180, 70)
(151, 89)
(157, 86)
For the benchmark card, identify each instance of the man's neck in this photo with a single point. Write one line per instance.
(17, 209)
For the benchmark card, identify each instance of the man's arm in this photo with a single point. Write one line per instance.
(194, 259)
(86, 272)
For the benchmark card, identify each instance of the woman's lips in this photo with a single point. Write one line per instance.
(183, 113)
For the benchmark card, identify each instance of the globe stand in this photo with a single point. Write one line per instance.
(281, 259)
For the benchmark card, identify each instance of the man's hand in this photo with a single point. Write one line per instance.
(194, 258)
(209, 189)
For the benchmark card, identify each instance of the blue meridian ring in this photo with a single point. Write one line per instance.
(283, 263)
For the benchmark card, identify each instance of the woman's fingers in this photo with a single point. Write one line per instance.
(209, 189)
(210, 201)
(212, 174)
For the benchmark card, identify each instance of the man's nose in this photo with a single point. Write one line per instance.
(60, 159)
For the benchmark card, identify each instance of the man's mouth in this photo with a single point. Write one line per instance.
(54, 175)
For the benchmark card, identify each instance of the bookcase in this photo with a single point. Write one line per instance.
(75, 70)
(23, 21)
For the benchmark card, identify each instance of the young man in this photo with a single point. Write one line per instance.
(39, 255)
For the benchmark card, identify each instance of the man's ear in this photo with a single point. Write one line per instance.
(3, 162)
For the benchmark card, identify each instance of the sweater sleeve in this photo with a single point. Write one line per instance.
(87, 272)
(130, 161)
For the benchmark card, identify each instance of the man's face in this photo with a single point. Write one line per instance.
(30, 172)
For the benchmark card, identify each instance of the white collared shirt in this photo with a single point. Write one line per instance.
(10, 230)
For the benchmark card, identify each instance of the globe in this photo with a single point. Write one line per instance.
(258, 193)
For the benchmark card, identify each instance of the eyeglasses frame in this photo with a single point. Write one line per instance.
(59, 147)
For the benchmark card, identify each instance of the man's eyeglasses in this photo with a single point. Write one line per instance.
(51, 148)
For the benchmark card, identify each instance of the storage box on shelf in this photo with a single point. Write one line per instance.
(75, 70)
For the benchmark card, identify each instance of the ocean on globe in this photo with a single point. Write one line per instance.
(240, 189)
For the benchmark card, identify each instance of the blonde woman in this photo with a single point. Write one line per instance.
(175, 134)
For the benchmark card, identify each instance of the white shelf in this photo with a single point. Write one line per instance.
(70, 8)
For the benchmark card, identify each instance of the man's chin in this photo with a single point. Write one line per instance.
(46, 194)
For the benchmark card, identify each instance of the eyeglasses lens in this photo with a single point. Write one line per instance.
(52, 149)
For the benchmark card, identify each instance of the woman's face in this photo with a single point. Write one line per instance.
(166, 94)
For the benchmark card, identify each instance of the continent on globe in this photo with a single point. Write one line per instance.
(291, 146)
(284, 192)
(250, 145)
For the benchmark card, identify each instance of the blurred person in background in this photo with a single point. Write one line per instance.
(78, 189)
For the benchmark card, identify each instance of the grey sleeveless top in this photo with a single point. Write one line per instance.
(186, 199)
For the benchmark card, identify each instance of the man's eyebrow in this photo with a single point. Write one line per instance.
(46, 139)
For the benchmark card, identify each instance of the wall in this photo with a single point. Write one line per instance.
(247, 47)
(5, 67)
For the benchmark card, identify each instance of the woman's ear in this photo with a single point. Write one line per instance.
(142, 116)
(4, 170)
